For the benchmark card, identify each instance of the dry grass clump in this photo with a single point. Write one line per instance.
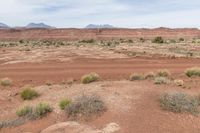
(161, 80)
(5, 82)
(85, 106)
(25, 111)
(163, 73)
(158, 39)
(136, 76)
(87, 41)
(179, 102)
(49, 83)
(149, 75)
(33, 113)
(179, 82)
(88, 78)
(28, 94)
(64, 103)
(42, 109)
(195, 71)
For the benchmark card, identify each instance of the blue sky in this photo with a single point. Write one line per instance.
(120, 13)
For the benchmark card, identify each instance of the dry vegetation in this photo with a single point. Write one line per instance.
(28, 94)
(33, 113)
(179, 102)
(64, 103)
(88, 78)
(85, 106)
(5, 82)
(193, 72)
(136, 76)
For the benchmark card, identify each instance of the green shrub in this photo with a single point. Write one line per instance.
(25, 111)
(32, 113)
(163, 73)
(6, 82)
(64, 103)
(158, 40)
(85, 106)
(42, 109)
(195, 71)
(28, 94)
(88, 78)
(136, 76)
(161, 80)
(179, 102)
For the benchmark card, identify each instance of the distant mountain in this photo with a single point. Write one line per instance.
(38, 25)
(93, 26)
(3, 26)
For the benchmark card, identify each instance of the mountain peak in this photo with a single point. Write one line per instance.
(95, 26)
(38, 25)
(2, 26)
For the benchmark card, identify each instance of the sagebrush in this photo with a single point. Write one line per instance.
(85, 106)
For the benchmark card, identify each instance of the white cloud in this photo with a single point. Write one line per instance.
(78, 13)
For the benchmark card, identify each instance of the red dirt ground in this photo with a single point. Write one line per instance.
(109, 69)
(145, 117)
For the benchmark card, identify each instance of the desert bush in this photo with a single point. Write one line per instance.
(48, 83)
(136, 76)
(6, 82)
(25, 111)
(88, 78)
(85, 106)
(158, 40)
(181, 39)
(189, 54)
(179, 102)
(64, 103)
(33, 113)
(172, 41)
(195, 71)
(179, 82)
(130, 41)
(87, 41)
(142, 40)
(163, 73)
(198, 98)
(42, 109)
(12, 122)
(21, 41)
(108, 43)
(149, 75)
(28, 94)
(161, 80)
